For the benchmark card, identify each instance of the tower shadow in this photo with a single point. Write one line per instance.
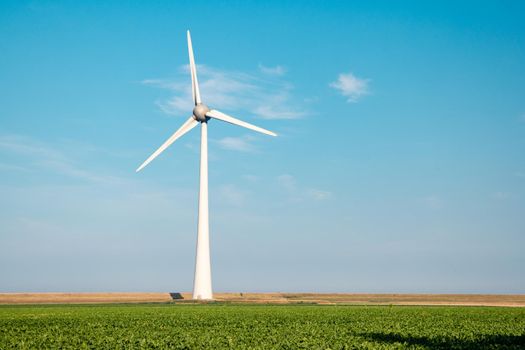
(489, 341)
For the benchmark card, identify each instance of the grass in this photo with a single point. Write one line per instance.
(218, 326)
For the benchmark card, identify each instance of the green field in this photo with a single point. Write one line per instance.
(217, 326)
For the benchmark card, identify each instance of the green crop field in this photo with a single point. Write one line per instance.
(216, 326)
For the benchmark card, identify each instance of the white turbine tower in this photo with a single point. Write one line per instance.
(201, 114)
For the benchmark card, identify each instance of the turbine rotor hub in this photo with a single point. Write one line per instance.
(199, 112)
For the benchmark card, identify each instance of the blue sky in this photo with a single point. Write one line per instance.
(399, 167)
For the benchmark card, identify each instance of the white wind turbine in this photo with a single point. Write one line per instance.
(201, 114)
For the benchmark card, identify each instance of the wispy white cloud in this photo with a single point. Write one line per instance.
(250, 177)
(287, 181)
(232, 195)
(351, 86)
(21, 145)
(433, 201)
(318, 194)
(38, 155)
(241, 144)
(277, 70)
(264, 95)
(270, 112)
(298, 193)
(12, 167)
(500, 195)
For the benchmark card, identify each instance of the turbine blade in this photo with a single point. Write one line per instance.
(226, 118)
(193, 70)
(187, 126)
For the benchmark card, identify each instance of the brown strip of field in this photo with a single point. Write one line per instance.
(79, 298)
(270, 298)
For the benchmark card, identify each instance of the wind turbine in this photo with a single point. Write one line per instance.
(201, 114)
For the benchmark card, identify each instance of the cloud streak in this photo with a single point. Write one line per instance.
(40, 156)
(241, 144)
(350, 86)
(231, 195)
(297, 193)
(277, 70)
(264, 94)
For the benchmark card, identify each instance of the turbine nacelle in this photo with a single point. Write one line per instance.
(199, 112)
